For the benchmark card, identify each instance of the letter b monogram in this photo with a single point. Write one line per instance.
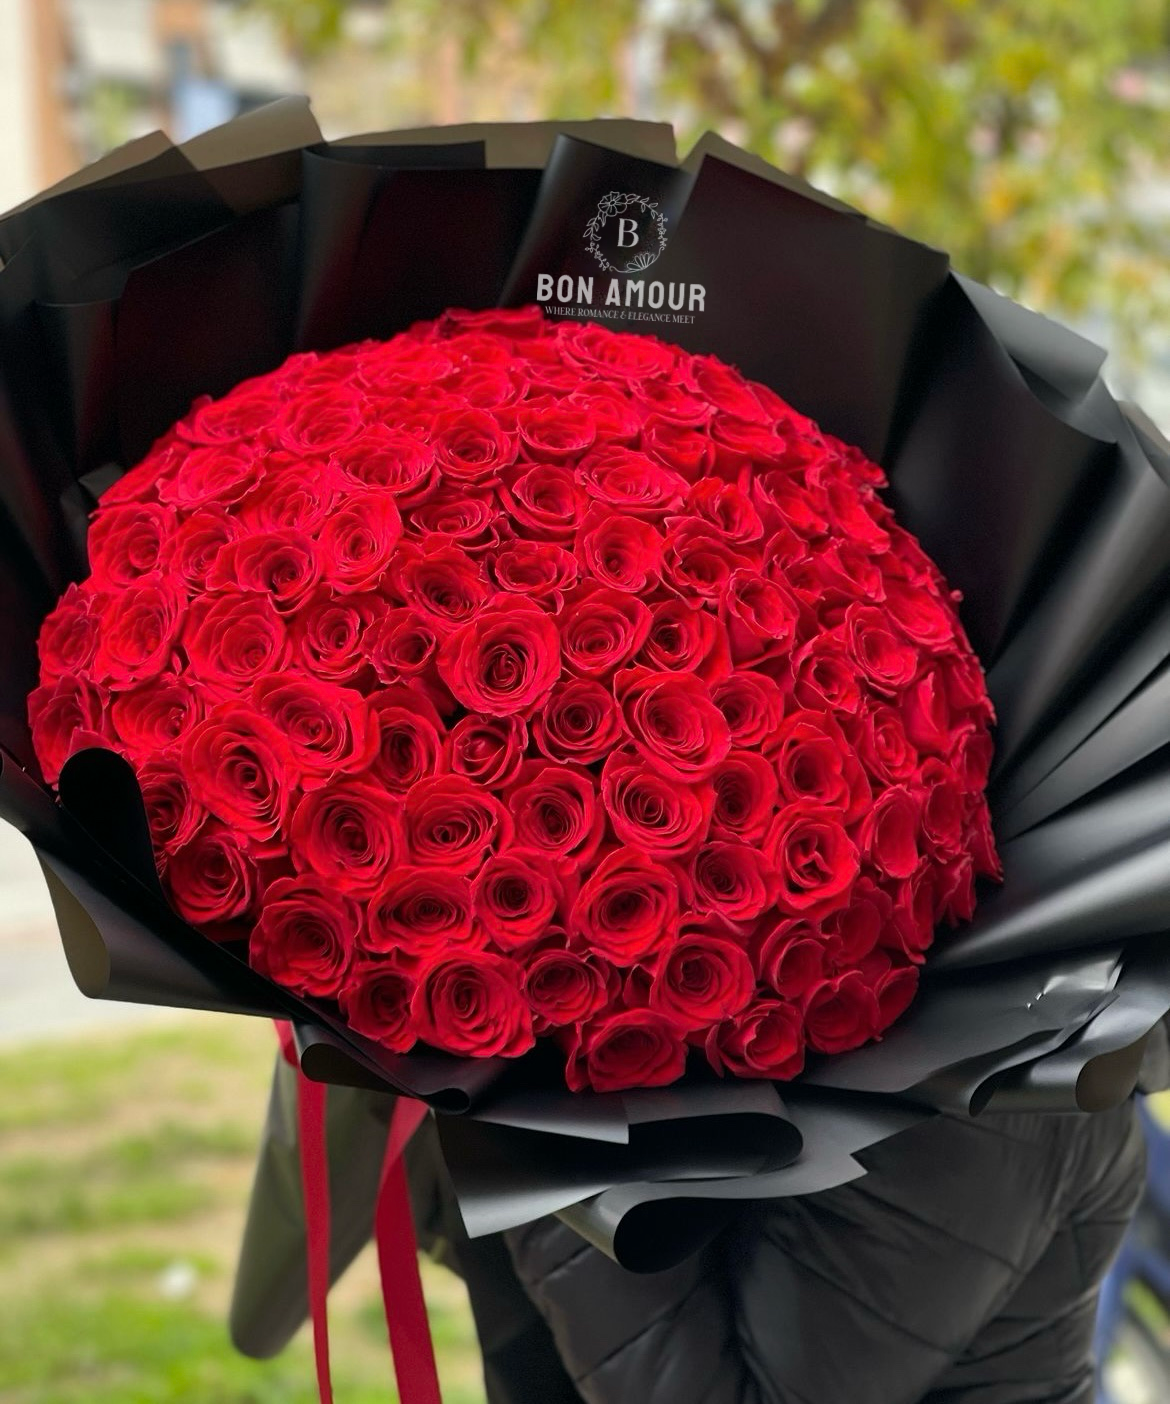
(627, 233)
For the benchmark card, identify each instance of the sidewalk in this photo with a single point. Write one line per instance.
(38, 998)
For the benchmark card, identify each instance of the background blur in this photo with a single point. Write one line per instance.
(1027, 137)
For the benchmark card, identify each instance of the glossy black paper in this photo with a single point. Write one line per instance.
(1045, 502)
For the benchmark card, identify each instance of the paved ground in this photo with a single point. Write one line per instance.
(38, 999)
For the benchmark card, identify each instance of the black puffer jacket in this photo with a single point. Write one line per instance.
(963, 1269)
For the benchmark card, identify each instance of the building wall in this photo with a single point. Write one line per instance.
(18, 140)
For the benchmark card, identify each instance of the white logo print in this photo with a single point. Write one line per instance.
(627, 234)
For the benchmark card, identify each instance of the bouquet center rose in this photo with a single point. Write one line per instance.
(513, 680)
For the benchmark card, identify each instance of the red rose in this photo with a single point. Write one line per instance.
(564, 987)
(419, 913)
(726, 507)
(791, 959)
(602, 629)
(624, 480)
(408, 746)
(452, 823)
(191, 550)
(852, 932)
(920, 614)
(723, 387)
(701, 980)
(471, 447)
(517, 895)
(669, 402)
(883, 747)
(550, 429)
(172, 812)
(815, 762)
(488, 750)
(815, 858)
(401, 644)
(971, 753)
(330, 730)
(242, 414)
(538, 569)
(332, 634)
(746, 793)
(65, 716)
(287, 499)
(616, 418)
(444, 585)
(235, 638)
(686, 640)
(888, 663)
(628, 908)
(630, 1048)
(765, 1041)
(687, 450)
(305, 937)
(505, 661)
(580, 722)
(137, 633)
(890, 831)
(824, 679)
(387, 458)
(944, 811)
(620, 552)
(467, 519)
(471, 1005)
(221, 474)
(731, 881)
(349, 833)
(698, 562)
(555, 811)
(321, 423)
(894, 986)
(214, 881)
(841, 1013)
(761, 616)
(69, 636)
(375, 1002)
(674, 723)
(126, 543)
(283, 565)
(358, 540)
(626, 358)
(752, 706)
(150, 718)
(239, 767)
(653, 812)
(546, 502)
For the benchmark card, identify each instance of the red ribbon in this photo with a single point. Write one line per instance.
(402, 1294)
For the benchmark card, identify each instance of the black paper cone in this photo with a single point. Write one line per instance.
(1042, 500)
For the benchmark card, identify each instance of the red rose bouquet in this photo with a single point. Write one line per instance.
(505, 696)
(512, 679)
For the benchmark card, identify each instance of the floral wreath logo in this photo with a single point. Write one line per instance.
(648, 243)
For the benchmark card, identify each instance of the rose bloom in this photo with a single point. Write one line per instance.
(375, 1001)
(419, 913)
(471, 1004)
(634, 1048)
(506, 662)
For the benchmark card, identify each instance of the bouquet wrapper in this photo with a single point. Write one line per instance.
(1044, 500)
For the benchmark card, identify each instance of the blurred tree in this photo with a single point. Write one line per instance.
(1018, 134)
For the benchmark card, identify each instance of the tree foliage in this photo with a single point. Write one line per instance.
(1020, 135)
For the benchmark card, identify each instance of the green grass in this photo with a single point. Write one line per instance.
(124, 1171)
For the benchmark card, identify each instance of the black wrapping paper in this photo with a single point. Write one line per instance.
(1044, 501)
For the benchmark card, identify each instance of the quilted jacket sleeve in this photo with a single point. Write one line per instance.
(962, 1269)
